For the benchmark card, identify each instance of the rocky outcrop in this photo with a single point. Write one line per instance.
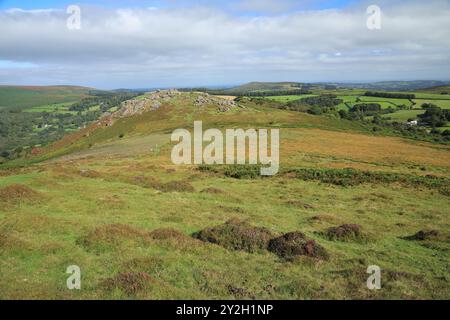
(154, 100)
(223, 105)
(150, 102)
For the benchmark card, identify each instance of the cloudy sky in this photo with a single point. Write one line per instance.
(139, 43)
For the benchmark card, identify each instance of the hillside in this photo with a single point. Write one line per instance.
(22, 97)
(260, 86)
(437, 90)
(108, 199)
(419, 85)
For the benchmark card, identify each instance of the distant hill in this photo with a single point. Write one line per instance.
(22, 97)
(437, 90)
(383, 85)
(259, 86)
(394, 85)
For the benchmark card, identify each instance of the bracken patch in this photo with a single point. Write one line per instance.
(236, 235)
(293, 244)
(18, 193)
(87, 173)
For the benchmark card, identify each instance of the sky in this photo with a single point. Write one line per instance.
(188, 43)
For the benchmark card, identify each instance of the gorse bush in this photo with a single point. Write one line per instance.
(353, 177)
(234, 171)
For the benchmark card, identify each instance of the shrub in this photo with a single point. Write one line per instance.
(294, 244)
(345, 232)
(236, 235)
(425, 235)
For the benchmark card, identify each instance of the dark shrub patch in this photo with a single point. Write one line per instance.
(425, 235)
(353, 177)
(345, 232)
(245, 171)
(294, 244)
(236, 235)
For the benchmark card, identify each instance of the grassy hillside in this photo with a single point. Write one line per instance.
(437, 90)
(261, 86)
(109, 200)
(23, 97)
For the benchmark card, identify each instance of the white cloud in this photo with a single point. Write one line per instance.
(151, 47)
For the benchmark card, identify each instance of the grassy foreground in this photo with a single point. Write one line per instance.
(119, 209)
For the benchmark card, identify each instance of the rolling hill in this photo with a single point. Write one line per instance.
(437, 90)
(109, 199)
(382, 85)
(23, 97)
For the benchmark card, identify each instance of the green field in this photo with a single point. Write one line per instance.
(443, 104)
(289, 98)
(404, 115)
(16, 97)
(52, 108)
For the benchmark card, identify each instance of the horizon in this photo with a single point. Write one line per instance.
(188, 43)
(230, 86)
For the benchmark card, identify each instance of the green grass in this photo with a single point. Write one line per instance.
(443, 104)
(16, 97)
(290, 97)
(97, 205)
(53, 108)
(48, 234)
(404, 115)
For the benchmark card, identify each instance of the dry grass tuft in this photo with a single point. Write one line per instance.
(168, 234)
(18, 193)
(87, 173)
(131, 283)
(113, 235)
(212, 190)
(299, 203)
